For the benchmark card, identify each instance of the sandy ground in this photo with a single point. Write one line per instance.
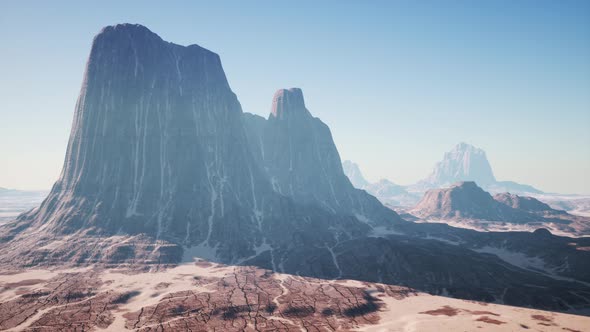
(436, 313)
(396, 309)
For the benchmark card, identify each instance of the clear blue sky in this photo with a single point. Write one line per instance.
(398, 82)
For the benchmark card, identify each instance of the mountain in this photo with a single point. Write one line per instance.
(464, 204)
(301, 160)
(158, 153)
(465, 162)
(465, 200)
(354, 174)
(162, 166)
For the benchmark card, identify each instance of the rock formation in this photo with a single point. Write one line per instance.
(465, 200)
(158, 150)
(467, 163)
(526, 203)
(463, 163)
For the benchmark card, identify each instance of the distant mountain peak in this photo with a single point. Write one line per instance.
(464, 162)
(287, 102)
(354, 174)
(299, 155)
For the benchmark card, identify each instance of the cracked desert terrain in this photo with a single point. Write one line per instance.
(205, 296)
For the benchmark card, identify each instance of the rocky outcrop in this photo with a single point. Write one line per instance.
(525, 203)
(466, 205)
(465, 200)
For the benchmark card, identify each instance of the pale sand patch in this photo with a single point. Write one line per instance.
(418, 312)
(8, 290)
(407, 315)
(149, 285)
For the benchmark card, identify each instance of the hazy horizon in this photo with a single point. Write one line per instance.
(420, 78)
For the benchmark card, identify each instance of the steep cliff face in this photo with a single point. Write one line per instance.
(300, 157)
(158, 148)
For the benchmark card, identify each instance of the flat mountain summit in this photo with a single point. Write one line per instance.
(472, 207)
(465, 200)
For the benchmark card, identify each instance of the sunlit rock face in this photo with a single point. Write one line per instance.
(302, 162)
(465, 200)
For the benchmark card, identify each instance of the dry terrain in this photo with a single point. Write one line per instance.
(210, 297)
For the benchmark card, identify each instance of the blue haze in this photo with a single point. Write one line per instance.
(398, 82)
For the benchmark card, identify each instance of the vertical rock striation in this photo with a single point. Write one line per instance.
(158, 148)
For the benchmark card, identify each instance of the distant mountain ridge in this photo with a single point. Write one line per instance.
(464, 162)
(471, 206)
(389, 193)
